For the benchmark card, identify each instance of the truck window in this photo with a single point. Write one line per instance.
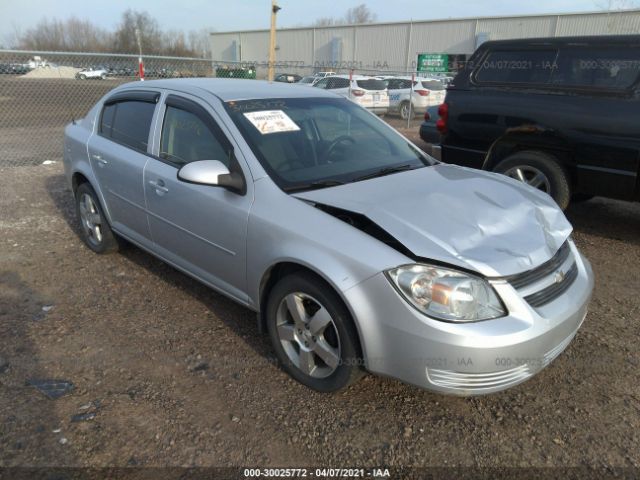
(526, 66)
(608, 67)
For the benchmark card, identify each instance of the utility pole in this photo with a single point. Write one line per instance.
(272, 40)
(140, 64)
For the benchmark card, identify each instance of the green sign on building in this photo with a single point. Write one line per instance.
(433, 62)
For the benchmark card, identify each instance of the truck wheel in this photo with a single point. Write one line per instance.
(312, 333)
(83, 77)
(103, 76)
(540, 170)
(404, 110)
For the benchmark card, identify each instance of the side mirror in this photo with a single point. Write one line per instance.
(213, 173)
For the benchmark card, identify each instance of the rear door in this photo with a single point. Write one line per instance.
(118, 152)
(199, 228)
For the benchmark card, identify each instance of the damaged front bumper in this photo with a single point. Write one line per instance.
(468, 358)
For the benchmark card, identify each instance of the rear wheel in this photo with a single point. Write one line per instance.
(404, 110)
(312, 333)
(83, 77)
(95, 230)
(103, 76)
(540, 170)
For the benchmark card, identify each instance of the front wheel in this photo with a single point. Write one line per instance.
(313, 334)
(540, 170)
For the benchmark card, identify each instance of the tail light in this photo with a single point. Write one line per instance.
(357, 93)
(427, 117)
(423, 93)
(441, 124)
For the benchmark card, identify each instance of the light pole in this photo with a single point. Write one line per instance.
(140, 64)
(272, 40)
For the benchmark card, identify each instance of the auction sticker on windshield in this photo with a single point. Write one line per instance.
(271, 121)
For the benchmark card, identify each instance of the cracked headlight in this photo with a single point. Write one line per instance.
(446, 294)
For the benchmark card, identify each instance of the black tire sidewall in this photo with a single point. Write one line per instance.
(350, 366)
(109, 242)
(549, 166)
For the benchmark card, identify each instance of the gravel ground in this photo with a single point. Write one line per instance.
(167, 372)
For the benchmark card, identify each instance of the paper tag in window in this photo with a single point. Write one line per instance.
(271, 121)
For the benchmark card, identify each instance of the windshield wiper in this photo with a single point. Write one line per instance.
(386, 171)
(313, 185)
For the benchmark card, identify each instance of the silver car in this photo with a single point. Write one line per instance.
(355, 248)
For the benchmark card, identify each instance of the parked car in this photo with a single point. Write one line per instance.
(288, 78)
(323, 74)
(92, 73)
(368, 92)
(428, 130)
(354, 247)
(426, 92)
(308, 81)
(14, 69)
(562, 114)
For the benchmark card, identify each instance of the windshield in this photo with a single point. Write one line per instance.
(304, 142)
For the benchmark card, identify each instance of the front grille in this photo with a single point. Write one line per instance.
(548, 281)
(521, 280)
(554, 290)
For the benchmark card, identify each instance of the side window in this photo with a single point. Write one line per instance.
(614, 68)
(187, 138)
(128, 122)
(517, 67)
(322, 83)
(342, 83)
(392, 84)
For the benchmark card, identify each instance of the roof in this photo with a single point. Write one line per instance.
(439, 20)
(555, 41)
(227, 89)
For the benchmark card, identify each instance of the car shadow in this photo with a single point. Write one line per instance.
(607, 218)
(240, 319)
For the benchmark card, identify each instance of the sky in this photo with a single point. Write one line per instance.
(254, 14)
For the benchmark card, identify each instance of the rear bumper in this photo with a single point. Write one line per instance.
(466, 359)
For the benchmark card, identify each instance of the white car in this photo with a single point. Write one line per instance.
(308, 81)
(368, 92)
(98, 73)
(426, 93)
(323, 74)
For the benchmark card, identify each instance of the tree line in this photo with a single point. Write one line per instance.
(78, 35)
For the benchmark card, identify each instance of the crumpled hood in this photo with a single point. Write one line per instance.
(477, 220)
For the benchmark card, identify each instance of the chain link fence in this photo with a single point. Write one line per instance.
(41, 92)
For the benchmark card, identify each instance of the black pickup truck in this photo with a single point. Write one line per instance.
(562, 114)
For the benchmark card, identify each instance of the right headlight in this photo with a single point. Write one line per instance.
(447, 294)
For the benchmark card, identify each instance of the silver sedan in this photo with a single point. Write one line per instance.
(357, 250)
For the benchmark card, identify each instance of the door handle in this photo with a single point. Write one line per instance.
(159, 186)
(101, 161)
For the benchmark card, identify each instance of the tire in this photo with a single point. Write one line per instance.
(540, 170)
(581, 197)
(404, 110)
(337, 341)
(103, 77)
(95, 230)
(83, 77)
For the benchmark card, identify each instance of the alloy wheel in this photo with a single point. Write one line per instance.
(91, 219)
(308, 335)
(531, 176)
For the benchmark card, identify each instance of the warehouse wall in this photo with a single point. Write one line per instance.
(395, 46)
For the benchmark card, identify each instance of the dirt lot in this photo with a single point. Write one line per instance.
(171, 373)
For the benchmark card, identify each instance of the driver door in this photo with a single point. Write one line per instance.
(199, 228)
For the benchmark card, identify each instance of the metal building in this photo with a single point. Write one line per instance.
(396, 46)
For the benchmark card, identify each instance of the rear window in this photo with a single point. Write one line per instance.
(432, 84)
(371, 84)
(517, 67)
(597, 67)
(128, 122)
